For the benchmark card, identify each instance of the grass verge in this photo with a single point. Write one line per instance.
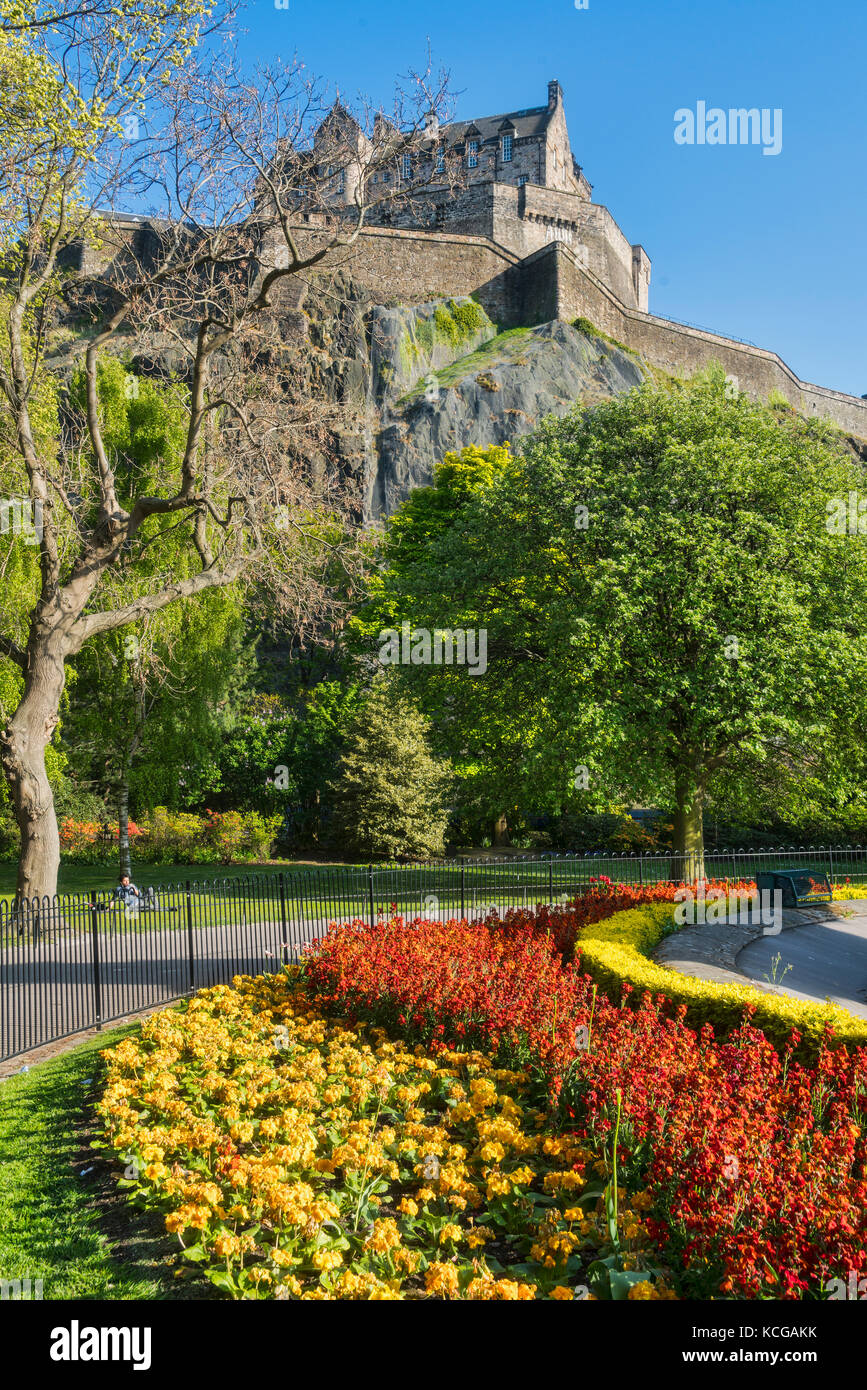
(62, 1219)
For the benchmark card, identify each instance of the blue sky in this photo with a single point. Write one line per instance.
(768, 248)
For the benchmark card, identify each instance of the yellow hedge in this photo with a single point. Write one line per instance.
(842, 891)
(618, 950)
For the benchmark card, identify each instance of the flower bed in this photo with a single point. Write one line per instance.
(297, 1158)
(755, 1162)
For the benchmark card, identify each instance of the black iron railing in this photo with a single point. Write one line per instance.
(78, 961)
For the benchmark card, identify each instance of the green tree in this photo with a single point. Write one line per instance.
(487, 728)
(668, 600)
(390, 791)
(100, 104)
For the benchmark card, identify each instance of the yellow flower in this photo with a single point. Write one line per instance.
(442, 1279)
(452, 1233)
(385, 1236)
(327, 1259)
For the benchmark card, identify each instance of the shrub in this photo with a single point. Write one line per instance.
(242, 835)
(85, 842)
(176, 837)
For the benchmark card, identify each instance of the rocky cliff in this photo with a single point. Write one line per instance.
(419, 380)
(412, 381)
(500, 390)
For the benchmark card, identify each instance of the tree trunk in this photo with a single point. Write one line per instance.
(688, 857)
(500, 835)
(125, 862)
(23, 743)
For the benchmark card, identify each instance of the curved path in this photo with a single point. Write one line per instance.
(821, 960)
(821, 953)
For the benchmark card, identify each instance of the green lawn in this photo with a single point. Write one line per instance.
(81, 878)
(58, 1222)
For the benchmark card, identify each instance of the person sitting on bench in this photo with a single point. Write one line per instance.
(127, 893)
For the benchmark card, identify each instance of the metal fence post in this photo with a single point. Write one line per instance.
(370, 894)
(97, 981)
(190, 940)
(283, 937)
(463, 890)
(550, 882)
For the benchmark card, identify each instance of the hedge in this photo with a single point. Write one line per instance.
(616, 951)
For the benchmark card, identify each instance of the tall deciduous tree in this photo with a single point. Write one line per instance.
(667, 598)
(227, 166)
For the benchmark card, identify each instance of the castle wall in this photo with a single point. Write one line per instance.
(413, 267)
(523, 220)
(409, 266)
(681, 350)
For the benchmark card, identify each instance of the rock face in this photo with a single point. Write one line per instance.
(407, 382)
(502, 390)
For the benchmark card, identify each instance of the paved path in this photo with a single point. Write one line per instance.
(824, 959)
(821, 953)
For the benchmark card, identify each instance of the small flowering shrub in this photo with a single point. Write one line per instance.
(756, 1163)
(84, 842)
(298, 1158)
(177, 837)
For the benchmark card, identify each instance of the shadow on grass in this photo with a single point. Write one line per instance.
(62, 1217)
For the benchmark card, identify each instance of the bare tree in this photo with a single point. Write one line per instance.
(238, 175)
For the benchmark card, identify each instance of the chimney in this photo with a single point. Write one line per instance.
(431, 126)
(555, 95)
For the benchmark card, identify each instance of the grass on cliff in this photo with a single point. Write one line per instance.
(506, 345)
(590, 330)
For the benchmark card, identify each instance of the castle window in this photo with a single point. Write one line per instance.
(473, 154)
(508, 146)
(407, 168)
(440, 215)
(522, 179)
(441, 160)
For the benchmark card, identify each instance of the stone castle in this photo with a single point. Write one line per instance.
(522, 235)
(518, 233)
(520, 188)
